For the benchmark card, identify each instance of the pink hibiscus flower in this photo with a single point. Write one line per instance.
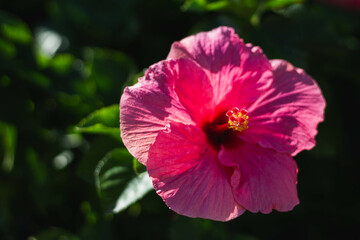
(217, 124)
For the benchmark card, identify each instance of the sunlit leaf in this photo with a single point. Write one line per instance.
(115, 167)
(117, 184)
(138, 187)
(102, 121)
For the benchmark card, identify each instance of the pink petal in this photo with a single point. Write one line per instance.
(264, 179)
(193, 89)
(170, 91)
(286, 117)
(187, 175)
(238, 72)
(145, 109)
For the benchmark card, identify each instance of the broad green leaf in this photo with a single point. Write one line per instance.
(138, 187)
(102, 121)
(117, 185)
(111, 172)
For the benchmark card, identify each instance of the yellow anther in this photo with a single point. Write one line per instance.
(238, 119)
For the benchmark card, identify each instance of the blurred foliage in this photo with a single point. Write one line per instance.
(63, 66)
(248, 10)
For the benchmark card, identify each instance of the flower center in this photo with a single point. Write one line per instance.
(237, 119)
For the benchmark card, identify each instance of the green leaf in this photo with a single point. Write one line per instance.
(138, 167)
(62, 62)
(217, 6)
(111, 174)
(99, 145)
(275, 4)
(14, 29)
(8, 139)
(117, 184)
(102, 121)
(137, 188)
(194, 5)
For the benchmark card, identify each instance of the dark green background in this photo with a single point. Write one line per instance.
(104, 46)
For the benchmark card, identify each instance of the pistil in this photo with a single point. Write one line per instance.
(237, 119)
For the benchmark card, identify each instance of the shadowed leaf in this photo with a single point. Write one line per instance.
(117, 184)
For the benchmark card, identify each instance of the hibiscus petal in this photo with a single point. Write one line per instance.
(186, 173)
(286, 117)
(170, 91)
(193, 89)
(264, 179)
(238, 72)
(145, 109)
